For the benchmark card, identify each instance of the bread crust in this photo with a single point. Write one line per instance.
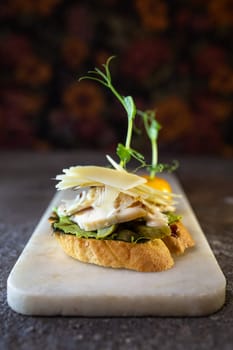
(179, 240)
(152, 256)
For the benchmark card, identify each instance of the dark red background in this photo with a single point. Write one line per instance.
(175, 56)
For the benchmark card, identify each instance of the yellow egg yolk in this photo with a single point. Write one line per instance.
(158, 183)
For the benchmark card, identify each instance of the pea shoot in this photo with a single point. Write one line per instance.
(152, 128)
(124, 152)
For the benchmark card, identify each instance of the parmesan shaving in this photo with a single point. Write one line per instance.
(87, 175)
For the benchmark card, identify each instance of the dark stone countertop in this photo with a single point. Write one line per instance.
(25, 191)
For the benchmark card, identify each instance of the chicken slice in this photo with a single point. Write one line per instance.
(96, 218)
(108, 207)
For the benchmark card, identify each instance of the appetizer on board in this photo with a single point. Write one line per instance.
(117, 218)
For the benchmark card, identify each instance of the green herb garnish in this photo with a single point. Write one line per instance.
(152, 129)
(124, 152)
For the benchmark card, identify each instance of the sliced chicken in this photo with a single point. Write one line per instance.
(102, 206)
(94, 219)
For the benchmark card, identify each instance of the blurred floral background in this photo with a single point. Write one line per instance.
(172, 56)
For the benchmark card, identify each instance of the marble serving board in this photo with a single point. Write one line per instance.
(45, 281)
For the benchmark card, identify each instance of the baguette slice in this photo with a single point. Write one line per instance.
(179, 240)
(152, 256)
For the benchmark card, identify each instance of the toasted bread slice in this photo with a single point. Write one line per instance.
(179, 240)
(152, 256)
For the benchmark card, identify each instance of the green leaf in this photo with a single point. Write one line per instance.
(150, 232)
(164, 167)
(137, 231)
(133, 231)
(93, 78)
(67, 226)
(137, 155)
(106, 67)
(153, 130)
(123, 153)
(129, 106)
(106, 231)
(126, 235)
(173, 217)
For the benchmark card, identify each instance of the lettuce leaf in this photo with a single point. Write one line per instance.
(134, 231)
(65, 225)
(173, 218)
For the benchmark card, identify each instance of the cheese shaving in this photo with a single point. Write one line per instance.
(81, 176)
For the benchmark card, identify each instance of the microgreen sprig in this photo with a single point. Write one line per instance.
(152, 128)
(124, 152)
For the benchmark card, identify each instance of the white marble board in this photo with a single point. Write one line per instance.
(45, 281)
